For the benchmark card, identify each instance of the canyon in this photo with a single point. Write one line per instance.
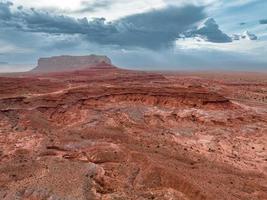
(95, 131)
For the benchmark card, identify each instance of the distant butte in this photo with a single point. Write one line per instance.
(71, 63)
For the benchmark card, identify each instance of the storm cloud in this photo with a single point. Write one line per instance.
(5, 12)
(156, 28)
(209, 31)
(153, 29)
(263, 21)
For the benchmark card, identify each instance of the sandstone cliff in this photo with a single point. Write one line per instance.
(70, 63)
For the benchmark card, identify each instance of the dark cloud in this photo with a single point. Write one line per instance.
(209, 31)
(153, 29)
(38, 21)
(44, 22)
(20, 7)
(156, 28)
(5, 12)
(263, 21)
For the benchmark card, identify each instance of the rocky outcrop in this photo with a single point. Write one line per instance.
(121, 134)
(71, 63)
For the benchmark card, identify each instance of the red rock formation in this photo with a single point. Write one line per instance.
(71, 63)
(117, 134)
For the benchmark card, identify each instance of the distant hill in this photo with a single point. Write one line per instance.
(71, 63)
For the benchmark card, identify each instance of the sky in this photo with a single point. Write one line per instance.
(140, 34)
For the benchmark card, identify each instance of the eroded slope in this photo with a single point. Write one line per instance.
(118, 134)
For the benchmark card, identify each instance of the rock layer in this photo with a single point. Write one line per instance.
(116, 134)
(70, 63)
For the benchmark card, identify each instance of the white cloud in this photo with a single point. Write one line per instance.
(121, 8)
(117, 8)
(66, 4)
(208, 30)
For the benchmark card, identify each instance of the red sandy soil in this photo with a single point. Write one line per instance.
(117, 134)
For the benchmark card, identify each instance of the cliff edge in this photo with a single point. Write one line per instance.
(71, 63)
